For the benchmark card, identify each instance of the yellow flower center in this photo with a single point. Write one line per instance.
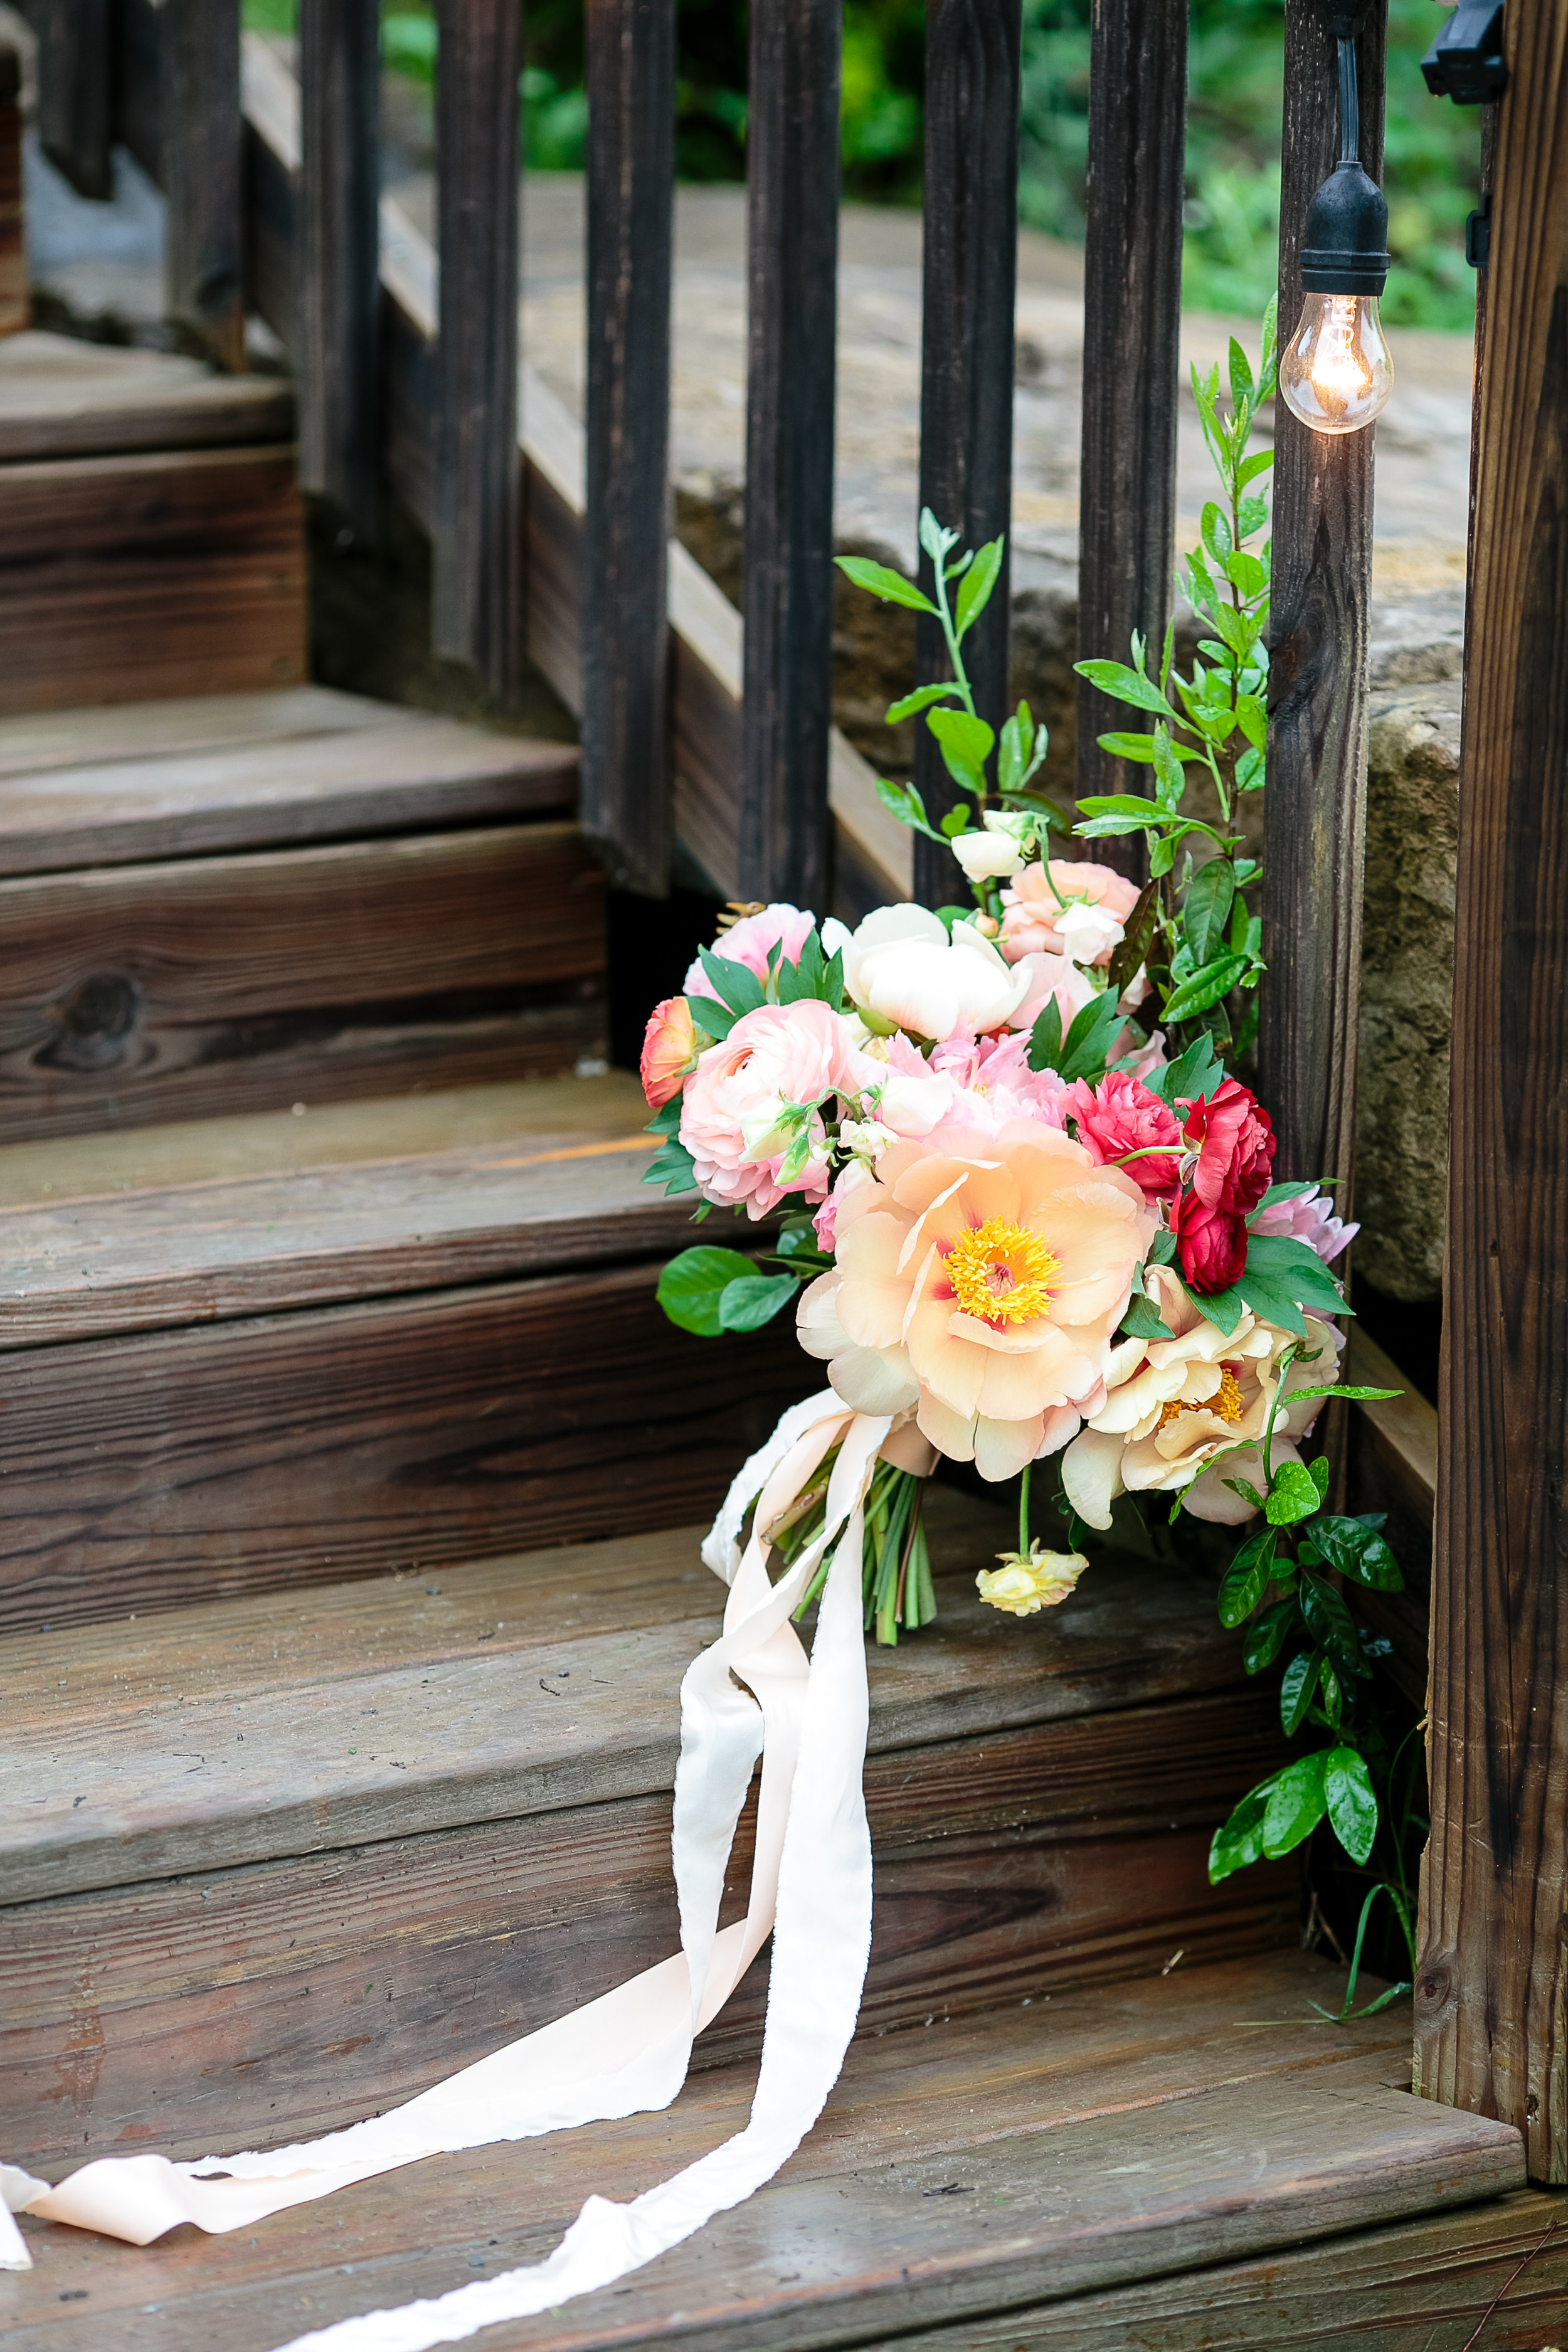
(1002, 1273)
(1227, 1403)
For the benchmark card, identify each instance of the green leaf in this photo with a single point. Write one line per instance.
(1319, 1475)
(1252, 513)
(1216, 533)
(1162, 853)
(1354, 1396)
(714, 1020)
(754, 1299)
(1296, 1803)
(1356, 1548)
(1245, 572)
(1239, 1841)
(736, 985)
(921, 699)
(1251, 467)
(1331, 1695)
(1295, 1690)
(1132, 948)
(957, 821)
(673, 1168)
(1142, 1321)
(1124, 685)
(1133, 804)
(891, 587)
(1194, 1075)
(1223, 1308)
(907, 806)
(1205, 909)
(974, 594)
(1162, 1248)
(934, 538)
(692, 1286)
(965, 744)
(668, 1121)
(1205, 987)
(1277, 1192)
(1351, 1801)
(1266, 1639)
(1331, 1623)
(1246, 1580)
(1297, 1269)
(1087, 1045)
(1293, 1496)
(1046, 1038)
(1249, 769)
(1167, 768)
(1243, 392)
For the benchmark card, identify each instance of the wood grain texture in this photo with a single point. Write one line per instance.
(412, 772)
(167, 1468)
(75, 62)
(1492, 1984)
(630, 71)
(92, 736)
(971, 254)
(16, 301)
(340, 287)
(473, 541)
(1133, 199)
(132, 578)
(203, 274)
(969, 2167)
(792, 172)
(208, 985)
(1315, 807)
(61, 398)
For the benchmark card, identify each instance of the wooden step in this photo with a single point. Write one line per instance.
(460, 1401)
(299, 1856)
(60, 397)
(1196, 2162)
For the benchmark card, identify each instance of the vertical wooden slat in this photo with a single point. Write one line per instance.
(626, 635)
(16, 306)
(791, 171)
(966, 364)
(1132, 360)
(478, 165)
(75, 60)
(1315, 807)
(337, 253)
(204, 271)
(1491, 1986)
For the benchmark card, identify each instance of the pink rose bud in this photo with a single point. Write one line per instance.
(668, 1051)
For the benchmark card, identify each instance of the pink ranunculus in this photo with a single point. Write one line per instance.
(751, 941)
(668, 1051)
(1211, 1242)
(1120, 1116)
(1145, 1058)
(1235, 1143)
(1033, 910)
(1052, 975)
(994, 1083)
(779, 1056)
(1308, 1218)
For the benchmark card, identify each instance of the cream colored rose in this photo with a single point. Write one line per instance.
(1173, 1405)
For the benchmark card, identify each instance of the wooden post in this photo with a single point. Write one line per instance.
(339, 253)
(474, 543)
(625, 628)
(16, 304)
(203, 266)
(791, 174)
(1491, 1986)
(1131, 360)
(1315, 807)
(966, 360)
(77, 43)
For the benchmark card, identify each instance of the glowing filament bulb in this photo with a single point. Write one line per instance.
(1336, 374)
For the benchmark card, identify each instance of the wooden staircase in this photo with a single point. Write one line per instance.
(353, 1484)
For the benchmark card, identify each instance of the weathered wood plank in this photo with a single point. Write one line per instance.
(200, 158)
(792, 178)
(1491, 1989)
(929, 2193)
(16, 301)
(413, 770)
(474, 541)
(1315, 808)
(630, 72)
(61, 398)
(209, 985)
(93, 735)
(168, 1468)
(340, 287)
(970, 254)
(75, 70)
(1133, 201)
(1392, 1463)
(144, 577)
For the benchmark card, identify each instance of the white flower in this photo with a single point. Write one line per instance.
(867, 1138)
(914, 1106)
(986, 856)
(902, 965)
(1087, 932)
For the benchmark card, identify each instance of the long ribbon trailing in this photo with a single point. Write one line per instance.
(753, 1692)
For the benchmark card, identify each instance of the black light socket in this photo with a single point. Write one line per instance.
(1345, 247)
(1466, 61)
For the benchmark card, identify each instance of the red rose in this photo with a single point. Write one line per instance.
(1211, 1243)
(1122, 1114)
(1236, 1148)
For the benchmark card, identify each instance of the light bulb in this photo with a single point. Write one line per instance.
(1335, 373)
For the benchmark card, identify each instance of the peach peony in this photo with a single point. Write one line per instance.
(745, 1112)
(1035, 922)
(668, 1051)
(980, 1279)
(1173, 1405)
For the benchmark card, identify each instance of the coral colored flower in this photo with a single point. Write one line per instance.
(1119, 1116)
(1211, 1243)
(980, 1279)
(1173, 1406)
(1033, 911)
(1308, 1218)
(1236, 1147)
(903, 966)
(1031, 1580)
(743, 1105)
(668, 1051)
(752, 940)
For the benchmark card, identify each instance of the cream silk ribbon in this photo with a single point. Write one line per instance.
(628, 2052)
